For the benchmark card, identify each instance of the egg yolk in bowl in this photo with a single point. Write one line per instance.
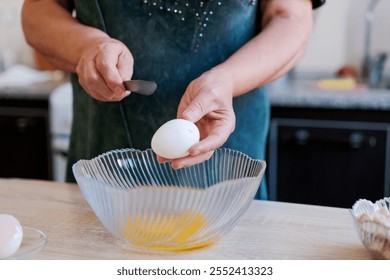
(171, 232)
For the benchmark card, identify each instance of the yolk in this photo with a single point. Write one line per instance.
(169, 232)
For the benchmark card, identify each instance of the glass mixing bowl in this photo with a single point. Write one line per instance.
(153, 207)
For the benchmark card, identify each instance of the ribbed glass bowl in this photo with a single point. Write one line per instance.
(374, 233)
(153, 207)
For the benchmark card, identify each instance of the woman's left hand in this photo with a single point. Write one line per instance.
(207, 102)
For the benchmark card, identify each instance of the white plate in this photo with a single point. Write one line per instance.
(33, 241)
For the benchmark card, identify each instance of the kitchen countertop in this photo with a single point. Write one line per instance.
(39, 91)
(303, 93)
(294, 93)
(268, 230)
(21, 81)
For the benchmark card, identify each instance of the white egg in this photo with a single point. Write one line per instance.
(11, 235)
(174, 138)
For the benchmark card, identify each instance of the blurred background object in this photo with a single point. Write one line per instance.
(14, 48)
(339, 37)
(35, 105)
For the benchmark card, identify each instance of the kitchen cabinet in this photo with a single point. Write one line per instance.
(24, 141)
(25, 150)
(328, 156)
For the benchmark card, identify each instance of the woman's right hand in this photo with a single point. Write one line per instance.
(103, 66)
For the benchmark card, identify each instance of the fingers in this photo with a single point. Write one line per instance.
(196, 110)
(91, 80)
(198, 100)
(198, 106)
(106, 66)
(203, 150)
(103, 68)
(213, 141)
(208, 102)
(186, 161)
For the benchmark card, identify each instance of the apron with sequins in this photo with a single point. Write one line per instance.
(172, 42)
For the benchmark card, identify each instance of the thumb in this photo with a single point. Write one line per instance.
(194, 112)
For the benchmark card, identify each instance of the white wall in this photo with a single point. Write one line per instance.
(338, 35)
(13, 47)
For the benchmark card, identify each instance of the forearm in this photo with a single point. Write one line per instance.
(273, 52)
(50, 28)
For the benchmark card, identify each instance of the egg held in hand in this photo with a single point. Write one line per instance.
(11, 235)
(174, 138)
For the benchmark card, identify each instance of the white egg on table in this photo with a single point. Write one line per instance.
(11, 235)
(174, 138)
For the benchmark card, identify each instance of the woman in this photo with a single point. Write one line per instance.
(210, 59)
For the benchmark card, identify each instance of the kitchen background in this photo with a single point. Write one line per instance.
(337, 40)
(329, 139)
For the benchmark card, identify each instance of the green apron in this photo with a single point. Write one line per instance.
(172, 42)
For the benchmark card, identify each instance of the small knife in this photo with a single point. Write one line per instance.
(141, 87)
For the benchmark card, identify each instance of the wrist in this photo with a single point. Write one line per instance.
(224, 78)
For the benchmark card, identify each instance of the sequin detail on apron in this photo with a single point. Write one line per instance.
(182, 9)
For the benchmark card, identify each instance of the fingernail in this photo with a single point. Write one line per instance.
(176, 166)
(160, 160)
(194, 152)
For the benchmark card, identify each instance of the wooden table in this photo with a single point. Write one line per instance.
(268, 230)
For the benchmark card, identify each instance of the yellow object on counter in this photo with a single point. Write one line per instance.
(171, 232)
(337, 84)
